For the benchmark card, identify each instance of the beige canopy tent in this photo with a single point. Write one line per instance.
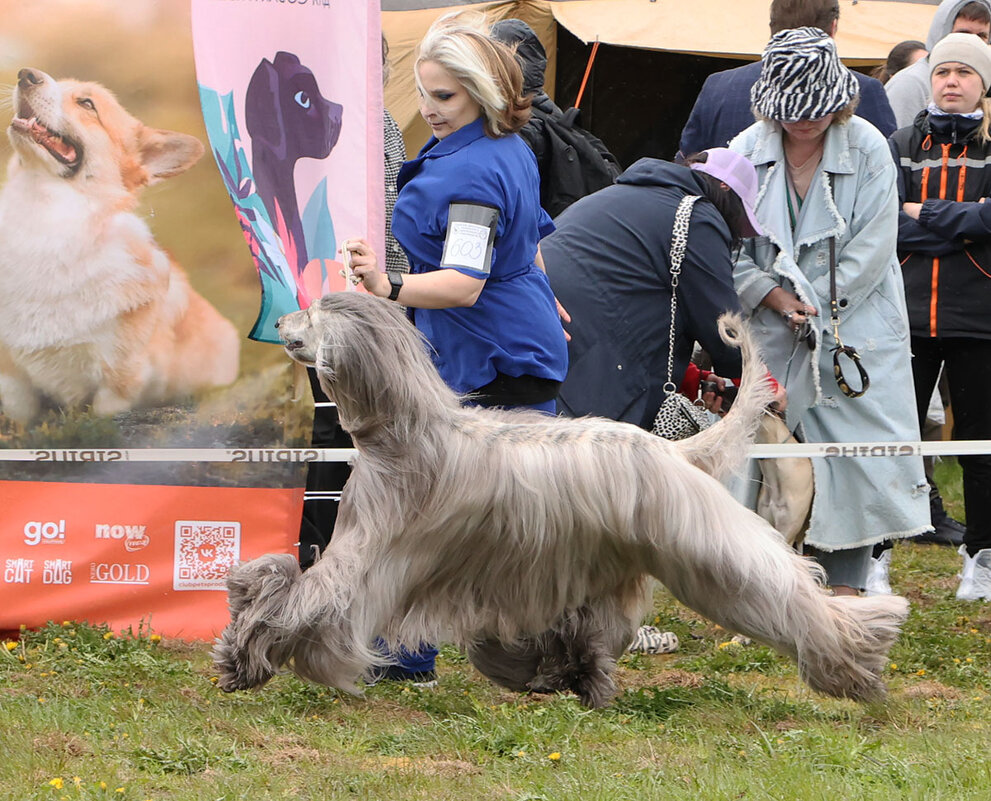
(715, 29)
(736, 28)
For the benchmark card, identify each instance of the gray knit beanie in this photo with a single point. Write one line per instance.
(963, 48)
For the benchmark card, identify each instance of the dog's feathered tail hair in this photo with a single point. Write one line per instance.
(720, 449)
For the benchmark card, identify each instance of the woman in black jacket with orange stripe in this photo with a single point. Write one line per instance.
(944, 245)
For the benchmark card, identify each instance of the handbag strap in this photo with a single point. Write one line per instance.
(679, 243)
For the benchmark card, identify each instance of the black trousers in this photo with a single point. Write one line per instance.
(967, 362)
(320, 514)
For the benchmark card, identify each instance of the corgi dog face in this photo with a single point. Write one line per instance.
(93, 313)
(79, 131)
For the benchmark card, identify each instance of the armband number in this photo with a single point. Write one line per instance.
(471, 231)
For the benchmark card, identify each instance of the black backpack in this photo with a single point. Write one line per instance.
(574, 162)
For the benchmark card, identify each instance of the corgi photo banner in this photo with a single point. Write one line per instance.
(127, 297)
(291, 94)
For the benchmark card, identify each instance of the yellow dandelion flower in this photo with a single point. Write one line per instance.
(214, 679)
(57, 782)
(103, 785)
(108, 636)
(142, 700)
(77, 781)
(119, 790)
(555, 756)
(920, 672)
(41, 700)
(155, 638)
(970, 659)
(521, 753)
(956, 660)
(22, 627)
(894, 666)
(10, 645)
(66, 622)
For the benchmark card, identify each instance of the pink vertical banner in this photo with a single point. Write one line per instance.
(291, 92)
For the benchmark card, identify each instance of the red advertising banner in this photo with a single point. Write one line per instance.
(128, 555)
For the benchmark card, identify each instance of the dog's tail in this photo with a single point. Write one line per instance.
(720, 449)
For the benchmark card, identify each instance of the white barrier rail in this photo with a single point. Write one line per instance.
(281, 455)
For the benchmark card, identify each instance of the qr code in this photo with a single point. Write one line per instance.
(205, 551)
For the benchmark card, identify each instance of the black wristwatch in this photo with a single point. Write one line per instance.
(396, 281)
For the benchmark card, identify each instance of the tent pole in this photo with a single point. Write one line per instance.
(588, 70)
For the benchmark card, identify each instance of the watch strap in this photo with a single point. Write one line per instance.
(396, 282)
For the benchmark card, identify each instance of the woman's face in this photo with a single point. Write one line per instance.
(444, 102)
(807, 130)
(957, 88)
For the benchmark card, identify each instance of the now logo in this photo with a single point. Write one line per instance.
(49, 533)
(134, 537)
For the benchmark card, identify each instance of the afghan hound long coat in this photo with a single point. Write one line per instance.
(527, 539)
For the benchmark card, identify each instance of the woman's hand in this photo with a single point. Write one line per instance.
(787, 304)
(712, 393)
(780, 402)
(912, 209)
(364, 265)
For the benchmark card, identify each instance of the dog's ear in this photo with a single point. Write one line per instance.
(262, 111)
(167, 153)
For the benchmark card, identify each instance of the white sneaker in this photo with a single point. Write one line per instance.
(975, 580)
(877, 575)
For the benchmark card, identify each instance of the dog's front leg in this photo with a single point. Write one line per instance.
(19, 398)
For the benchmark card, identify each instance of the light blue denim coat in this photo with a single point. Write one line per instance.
(852, 197)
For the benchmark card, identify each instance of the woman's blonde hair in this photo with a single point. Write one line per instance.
(487, 69)
(985, 129)
(840, 117)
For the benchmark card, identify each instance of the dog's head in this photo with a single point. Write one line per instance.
(369, 358)
(285, 112)
(72, 129)
(256, 643)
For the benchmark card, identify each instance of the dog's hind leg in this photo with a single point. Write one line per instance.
(578, 654)
(581, 652)
(752, 583)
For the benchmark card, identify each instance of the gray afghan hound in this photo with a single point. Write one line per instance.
(530, 540)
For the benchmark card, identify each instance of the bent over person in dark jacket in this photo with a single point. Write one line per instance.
(608, 263)
(944, 246)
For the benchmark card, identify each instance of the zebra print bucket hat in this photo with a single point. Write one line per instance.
(801, 77)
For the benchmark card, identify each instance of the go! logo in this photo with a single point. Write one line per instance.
(44, 533)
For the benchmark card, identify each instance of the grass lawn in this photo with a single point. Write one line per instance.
(93, 714)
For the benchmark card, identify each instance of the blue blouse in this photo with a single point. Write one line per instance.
(513, 328)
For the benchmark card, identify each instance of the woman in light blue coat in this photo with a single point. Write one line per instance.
(827, 175)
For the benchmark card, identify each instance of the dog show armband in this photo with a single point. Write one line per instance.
(471, 231)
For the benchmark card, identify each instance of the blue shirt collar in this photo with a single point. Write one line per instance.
(453, 142)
